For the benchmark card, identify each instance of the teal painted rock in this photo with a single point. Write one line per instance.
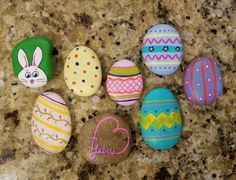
(161, 122)
(32, 61)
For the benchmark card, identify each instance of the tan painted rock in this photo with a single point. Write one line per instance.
(105, 140)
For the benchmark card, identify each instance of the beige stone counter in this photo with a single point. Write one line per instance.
(114, 29)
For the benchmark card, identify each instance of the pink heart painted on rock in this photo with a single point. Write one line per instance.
(99, 150)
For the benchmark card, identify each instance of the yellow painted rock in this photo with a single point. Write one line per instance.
(82, 71)
(51, 123)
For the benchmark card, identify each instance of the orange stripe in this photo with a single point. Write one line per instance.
(203, 80)
(191, 82)
(126, 96)
(184, 81)
(139, 91)
(215, 82)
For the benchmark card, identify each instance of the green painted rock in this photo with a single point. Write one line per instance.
(32, 61)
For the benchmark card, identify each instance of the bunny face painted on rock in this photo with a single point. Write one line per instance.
(31, 75)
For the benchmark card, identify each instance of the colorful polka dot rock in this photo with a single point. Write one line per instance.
(160, 119)
(162, 49)
(203, 81)
(82, 71)
(51, 123)
(124, 82)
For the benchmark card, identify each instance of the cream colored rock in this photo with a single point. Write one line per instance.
(82, 71)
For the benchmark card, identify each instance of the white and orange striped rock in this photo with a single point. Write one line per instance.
(51, 123)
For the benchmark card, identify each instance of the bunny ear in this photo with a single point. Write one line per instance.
(37, 57)
(22, 58)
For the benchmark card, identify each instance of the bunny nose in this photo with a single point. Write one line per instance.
(32, 81)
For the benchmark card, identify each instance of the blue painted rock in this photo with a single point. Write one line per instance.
(161, 122)
(162, 49)
(203, 81)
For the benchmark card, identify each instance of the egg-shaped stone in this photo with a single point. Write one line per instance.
(202, 81)
(82, 71)
(105, 139)
(160, 119)
(51, 123)
(124, 82)
(162, 49)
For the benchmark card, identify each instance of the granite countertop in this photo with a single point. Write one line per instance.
(114, 29)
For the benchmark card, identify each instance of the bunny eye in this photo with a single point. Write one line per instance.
(35, 74)
(27, 75)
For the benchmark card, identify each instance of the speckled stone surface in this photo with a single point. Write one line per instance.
(115, 29)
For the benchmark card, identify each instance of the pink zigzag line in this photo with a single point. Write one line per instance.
(153, 40)
(161, 57)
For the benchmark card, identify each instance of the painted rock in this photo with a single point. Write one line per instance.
(105, 140)
(203, 81)
(32, 61)
(162, 49)
(82, 71)
(51, 123)
(124, 82)
(160, 117)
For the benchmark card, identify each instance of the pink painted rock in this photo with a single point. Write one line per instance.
(124, 82)
(51, 123)
(105, 140)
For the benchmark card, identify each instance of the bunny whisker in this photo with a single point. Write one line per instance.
(23, 80)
